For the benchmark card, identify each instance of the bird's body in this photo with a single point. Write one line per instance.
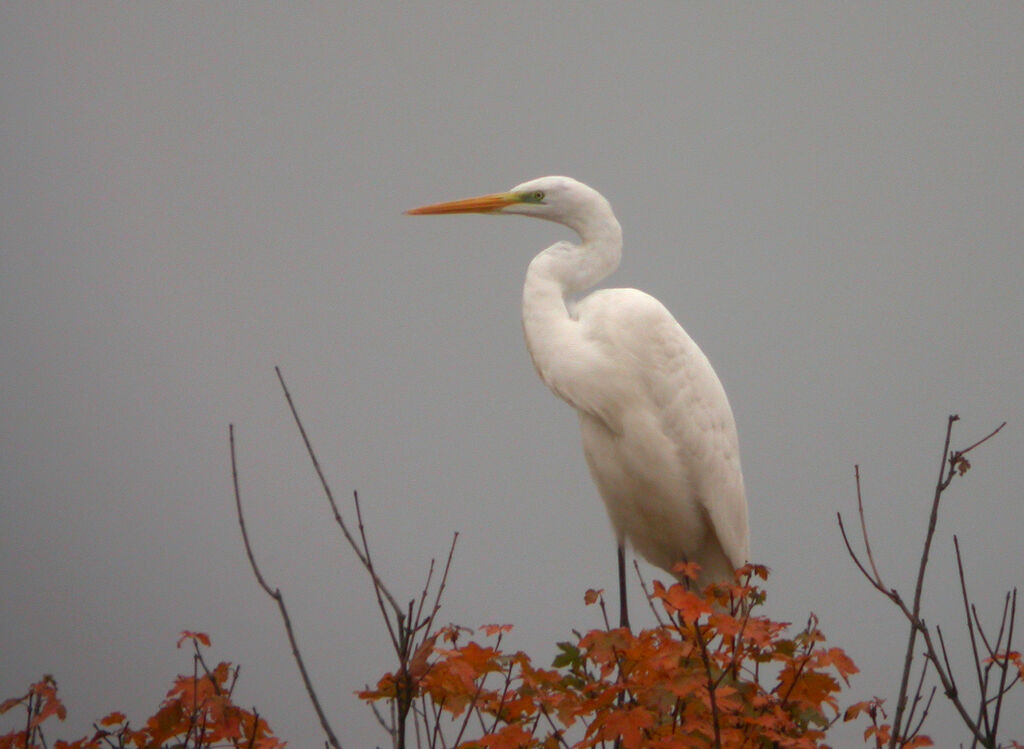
(658, 433)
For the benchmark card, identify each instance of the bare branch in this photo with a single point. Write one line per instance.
(441, 585)
(330, 496)
(276, 594)
(986, 438)
(917, 699)
(878, 584)
(945, 658)
(378, 589)
(647, 595)
(908, 659)
(967, 614)
(864, 527)
(377, 715)
(1005, 665)
(924, 714)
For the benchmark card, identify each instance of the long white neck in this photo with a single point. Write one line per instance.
(561, 271)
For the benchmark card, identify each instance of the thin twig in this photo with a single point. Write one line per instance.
(441, 585)
(908, 659)
(863, 525)
(917, 698)
(647, 595)
(418, 617)
(924, 714)
(712, 697)
(397, 640)
(877, 584)
(967, 612)
(1005, 665)
(945, 658)
(376, 713)
(986, 438)
(953, 464)
(557, 733)
(255, 727)
(330, 495)
(279, 599)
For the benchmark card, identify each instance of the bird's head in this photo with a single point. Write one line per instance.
(560, 199)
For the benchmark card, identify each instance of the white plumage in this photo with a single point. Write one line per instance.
(658, 433)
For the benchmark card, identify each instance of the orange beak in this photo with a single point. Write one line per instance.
(482, 204)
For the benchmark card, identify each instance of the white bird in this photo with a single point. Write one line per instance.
(658, 433)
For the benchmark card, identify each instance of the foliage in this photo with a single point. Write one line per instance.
(198, 713)
(712, 673)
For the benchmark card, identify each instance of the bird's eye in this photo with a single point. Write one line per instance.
(538, 195)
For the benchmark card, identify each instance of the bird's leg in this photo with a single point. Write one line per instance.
(623, 609)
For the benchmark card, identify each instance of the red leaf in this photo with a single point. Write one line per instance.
(12, 702)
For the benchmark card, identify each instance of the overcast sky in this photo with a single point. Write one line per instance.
(827, 196)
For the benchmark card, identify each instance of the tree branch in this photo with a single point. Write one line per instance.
(330, 497)
(276, 594)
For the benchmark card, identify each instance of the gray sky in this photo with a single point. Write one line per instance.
(827, 196)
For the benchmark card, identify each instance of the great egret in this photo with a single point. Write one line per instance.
(658, 433)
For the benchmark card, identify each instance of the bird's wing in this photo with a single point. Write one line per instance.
(657, 358)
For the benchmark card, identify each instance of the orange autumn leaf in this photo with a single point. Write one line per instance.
(418, 664)
(509, 737)
(918, 741)
(113, 719)
(45, 692)
(629, 724)
(12, 702)
(197, 711)
(200, 637)
(842, 663)
(854, 710)
(652, 688)
(686, 570)
(496, 629)
(678, 600)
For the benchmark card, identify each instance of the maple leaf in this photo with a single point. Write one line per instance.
(918, 741)
(757, 570)
(838, 659)
(46, 690)
(386, 689)
(592, 596)
(418, 664)
(629, 724)
(678, 600)
(113, 719)
(200, 637)
(12, 702)
(856, 709)
(509, 737)
(687, 570)
(496, 629)
(570, 655)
